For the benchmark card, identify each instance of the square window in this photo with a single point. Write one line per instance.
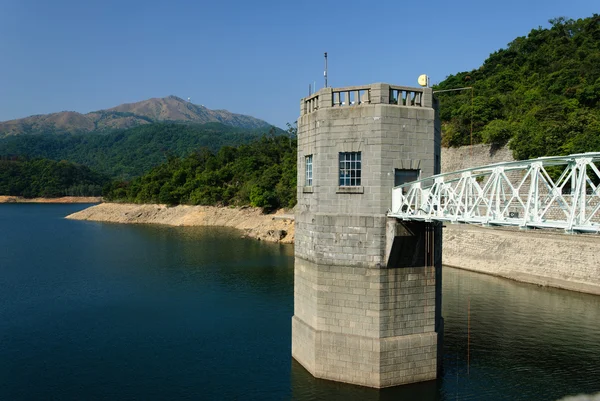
(350, 169)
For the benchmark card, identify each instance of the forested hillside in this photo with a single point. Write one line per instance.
(48, 179)
(262, 174)
(129, 153)
(541, 94)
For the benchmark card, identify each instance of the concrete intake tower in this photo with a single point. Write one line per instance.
(367, 289)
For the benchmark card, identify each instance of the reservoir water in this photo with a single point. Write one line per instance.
(93, 311)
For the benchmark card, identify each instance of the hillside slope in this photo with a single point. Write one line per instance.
(541, 94)
(128, 153)
(48, 179)
(168, 109)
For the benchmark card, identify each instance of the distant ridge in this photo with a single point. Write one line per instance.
(128, 115)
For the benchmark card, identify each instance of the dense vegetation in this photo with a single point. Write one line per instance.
(541, 94)
(48, 178)
(262, 174)
(128, 153)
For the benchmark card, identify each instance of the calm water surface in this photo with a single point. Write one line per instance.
(92, 311)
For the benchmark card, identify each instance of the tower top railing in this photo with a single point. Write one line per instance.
(354, 96)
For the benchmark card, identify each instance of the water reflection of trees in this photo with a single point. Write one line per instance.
(216, 256)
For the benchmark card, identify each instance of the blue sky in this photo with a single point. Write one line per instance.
(249, 57)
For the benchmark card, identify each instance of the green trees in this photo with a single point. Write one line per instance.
(541, 94)
(261, 174)
(48, 179)
(129, 153)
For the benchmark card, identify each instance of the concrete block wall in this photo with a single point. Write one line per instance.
(356, 319)
(454, 159)
(388, 136)
(373, 327)
(541, 257)
(343, 240)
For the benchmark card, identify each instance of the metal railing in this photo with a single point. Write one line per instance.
(550, 192)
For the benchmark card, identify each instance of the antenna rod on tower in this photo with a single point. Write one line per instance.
(325, 73)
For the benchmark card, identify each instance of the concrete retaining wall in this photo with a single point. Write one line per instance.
(454, 159)
(546, 258)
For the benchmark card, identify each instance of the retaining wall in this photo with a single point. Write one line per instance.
(454, 159)
(539, 257)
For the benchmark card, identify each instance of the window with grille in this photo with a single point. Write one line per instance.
(309, 171)
(350, 169)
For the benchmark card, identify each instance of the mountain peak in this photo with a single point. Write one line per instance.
(170, 108)
(174, 98)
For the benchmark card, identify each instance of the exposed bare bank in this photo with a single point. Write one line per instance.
(64, 199)
(277, 227)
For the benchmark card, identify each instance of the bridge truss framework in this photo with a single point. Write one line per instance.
(561, 192)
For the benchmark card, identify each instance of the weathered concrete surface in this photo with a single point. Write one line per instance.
(346, 329)
(539, 257)
(356, 318)
(454, 159)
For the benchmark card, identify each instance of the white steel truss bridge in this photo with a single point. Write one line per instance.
(561, 192)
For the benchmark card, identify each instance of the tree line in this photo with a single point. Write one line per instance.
(541, 94)
(48, 178)
(261, 174)
(125, 154)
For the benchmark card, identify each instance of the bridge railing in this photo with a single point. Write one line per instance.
(549, 192)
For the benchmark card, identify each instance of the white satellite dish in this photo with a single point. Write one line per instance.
(423, 80)
(189, 99)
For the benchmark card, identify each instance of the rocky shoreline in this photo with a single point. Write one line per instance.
(276, 227)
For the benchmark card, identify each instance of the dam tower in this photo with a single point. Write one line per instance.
(367, 287)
